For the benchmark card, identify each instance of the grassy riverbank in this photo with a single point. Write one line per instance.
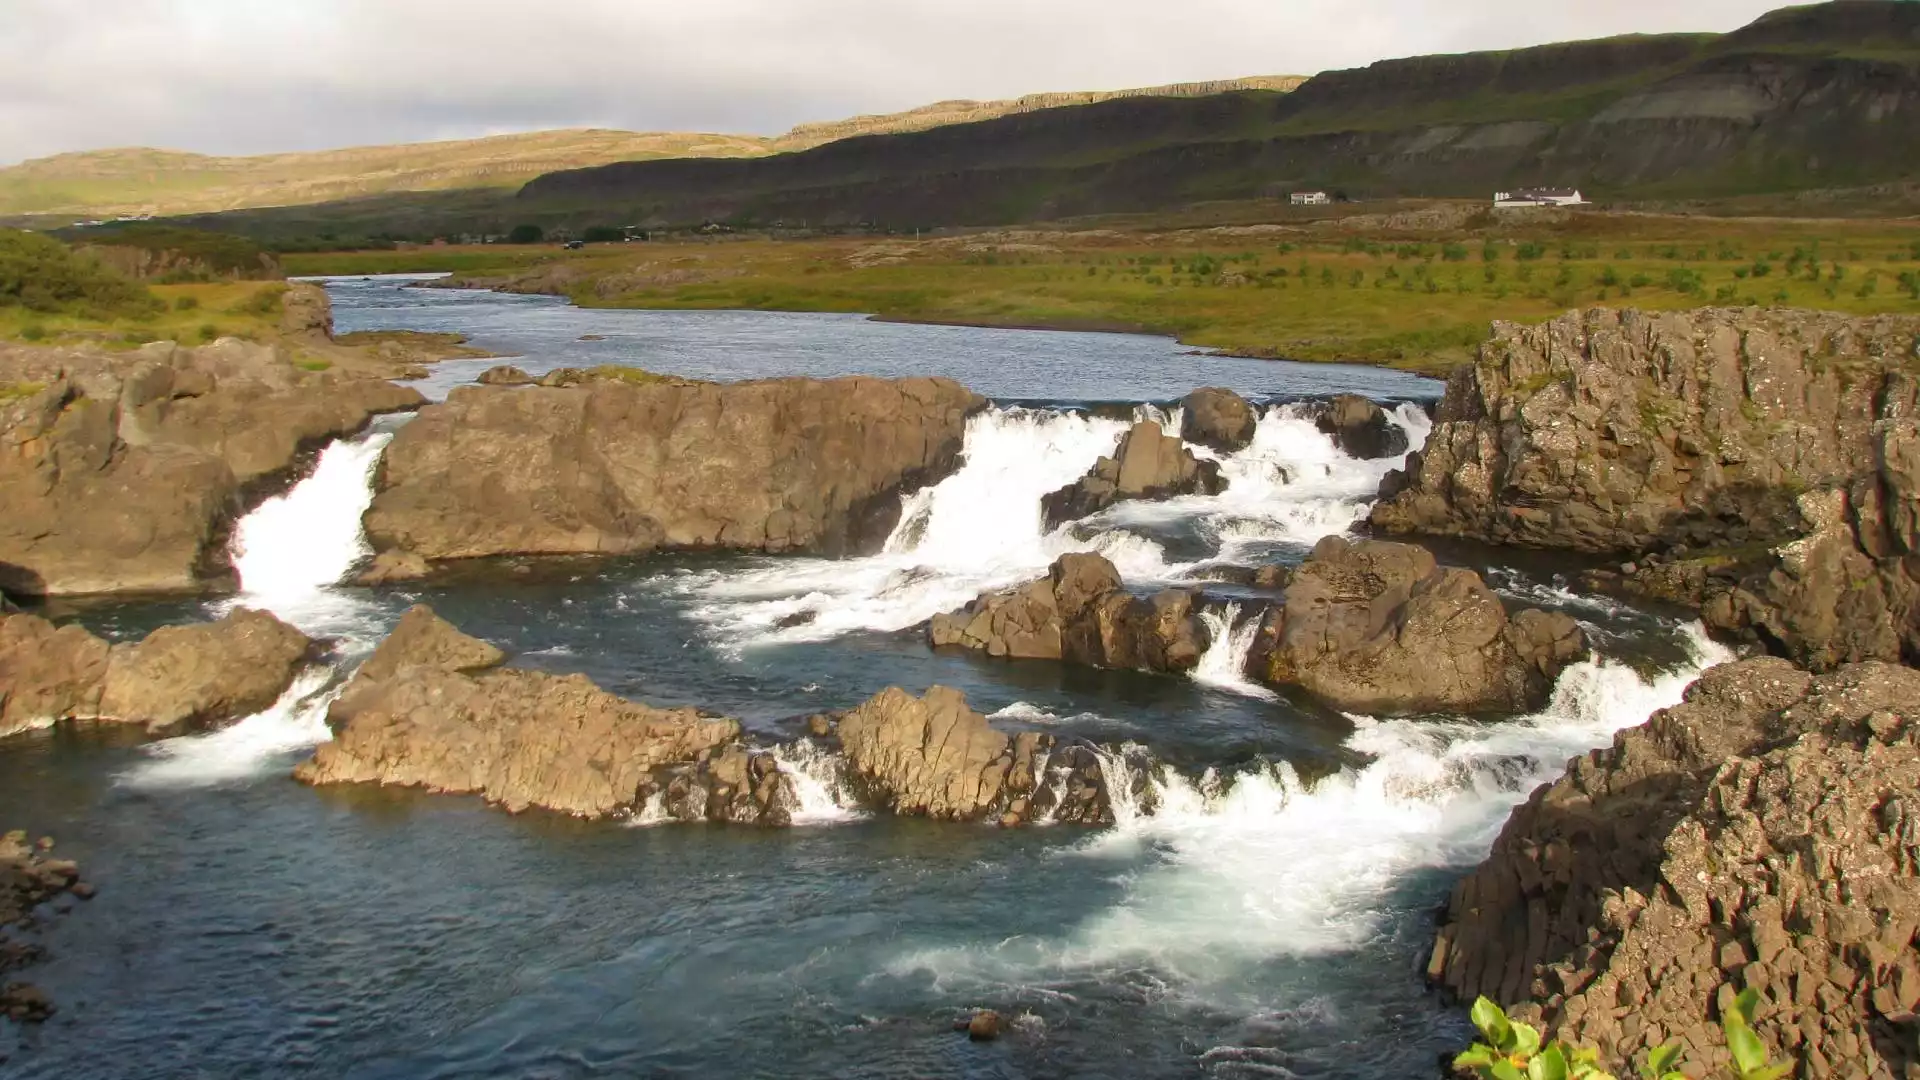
(1355, 290)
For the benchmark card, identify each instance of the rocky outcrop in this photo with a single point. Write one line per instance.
(29, 877)
(1761, 835)
(1148, 464)
(1360, 427)
(178, 678)
(618, 467)
(123, 472)
(935, 757)
(1381, 628)
(1777, 452)
(1081, 613)
(1218, 418)
(505, 375)
(432, 709)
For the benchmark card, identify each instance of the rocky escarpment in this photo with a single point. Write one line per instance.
(1773, 455)
(179, 677)
(1147, 464)
(123, 472)
(1381, 628)
(433, 708)
(1080, 612)
(618, 467)
(1763, 835)
(29, 877)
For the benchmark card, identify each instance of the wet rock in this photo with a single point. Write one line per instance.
(1361, 428)
(1148, 464)
(734, 785)
(435, 713)
(616, 467)
(1777, 449)
(123, 472)
(1080, 613)
(28, 879)
(505, 375)
(984, 1026)
(196, 676)
(1377, 627)
(392, 567)
(1218, 418)
(24, 1003)
(1760, 835)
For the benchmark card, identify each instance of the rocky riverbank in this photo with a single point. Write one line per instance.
(29, 878)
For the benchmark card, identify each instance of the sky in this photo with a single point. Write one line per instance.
(260, 76)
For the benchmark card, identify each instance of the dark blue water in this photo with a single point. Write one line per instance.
(1248, 923)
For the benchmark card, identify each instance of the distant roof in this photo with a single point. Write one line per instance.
(1547, 193)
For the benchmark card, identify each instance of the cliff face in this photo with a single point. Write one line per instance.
(1822, 97)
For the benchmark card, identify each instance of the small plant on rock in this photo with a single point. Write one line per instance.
(1514, 1051)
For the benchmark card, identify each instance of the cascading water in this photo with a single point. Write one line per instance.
(298, 721)
(981, 528)
(819, 784)
(1224, 665)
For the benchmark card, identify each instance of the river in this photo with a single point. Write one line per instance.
(1263, 911)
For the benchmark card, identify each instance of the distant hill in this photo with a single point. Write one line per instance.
(109, 183)
(1823, 96)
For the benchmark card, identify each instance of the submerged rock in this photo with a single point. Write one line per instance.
(1148, 464)
(1779, 450)
(197, 676)
(1081, 613)
(620, 467)
(1218, 418)
(1361, 428)
(28, 878)
(432, 709)
(123, 472)
(1765, 834)
(1376, 627)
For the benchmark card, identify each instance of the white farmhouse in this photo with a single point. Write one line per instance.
(1311, 198)
(1534, 197)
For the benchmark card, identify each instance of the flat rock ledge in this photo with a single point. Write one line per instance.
(180, 678)
(1764, 834)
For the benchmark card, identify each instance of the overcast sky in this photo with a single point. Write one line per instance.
(255, 76)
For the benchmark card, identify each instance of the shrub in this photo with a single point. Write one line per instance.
(186, 303)
(42, 274)
(1454, 252)
(206, 254)
(1528, 252)
(1609, 277)
(526, 234)
(209, 332)
(603, 234)
(33, 332)
(1514, 1051)
(262, 302)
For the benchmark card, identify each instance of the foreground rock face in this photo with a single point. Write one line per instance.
(1777, 452)
(1081, 613)
(612, 467)
(1377, 627)
(180, 677)
(124, 471)
(935, 757)
(1148, 464)
(432, 709)
(1218, 418)
(1361, 428)
(1762, 834)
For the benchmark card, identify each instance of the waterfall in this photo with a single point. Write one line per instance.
(297, 722)
(1224, 665)
(819, 784)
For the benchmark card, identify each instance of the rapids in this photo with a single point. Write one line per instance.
(1260, 908)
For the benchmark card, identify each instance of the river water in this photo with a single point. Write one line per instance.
(1262, 910)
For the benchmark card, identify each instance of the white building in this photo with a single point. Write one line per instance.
(1531, 197)
(1311, 198)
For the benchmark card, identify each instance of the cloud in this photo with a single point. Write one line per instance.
(242, 76)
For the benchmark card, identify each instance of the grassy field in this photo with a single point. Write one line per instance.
(1337, 290)
(189, 314)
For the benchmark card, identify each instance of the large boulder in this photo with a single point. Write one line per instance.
(1148, 464)
(1774, 455)
(1218, 418)
(1081, 613)
(618, 467)
(123, 472)
(1360, 427)
(431, 709)
(1765, 834)
(197, 676)
(1377, 627)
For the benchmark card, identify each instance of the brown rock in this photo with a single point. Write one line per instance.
(614, 467)
(984, 1026)
(1218, 418)
(1761, 834)
(47, 673)
(1148, 464)
(391, 567)
(424, 639)
(505, 375)
(1377, 627)
(205, 675)
(1360, 428)
(1080, 613)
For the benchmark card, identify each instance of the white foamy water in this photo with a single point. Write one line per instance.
(819, 783)
(1229, 871)
(293, 549)
(981, 528)
(1224, 664)
(254, 746)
